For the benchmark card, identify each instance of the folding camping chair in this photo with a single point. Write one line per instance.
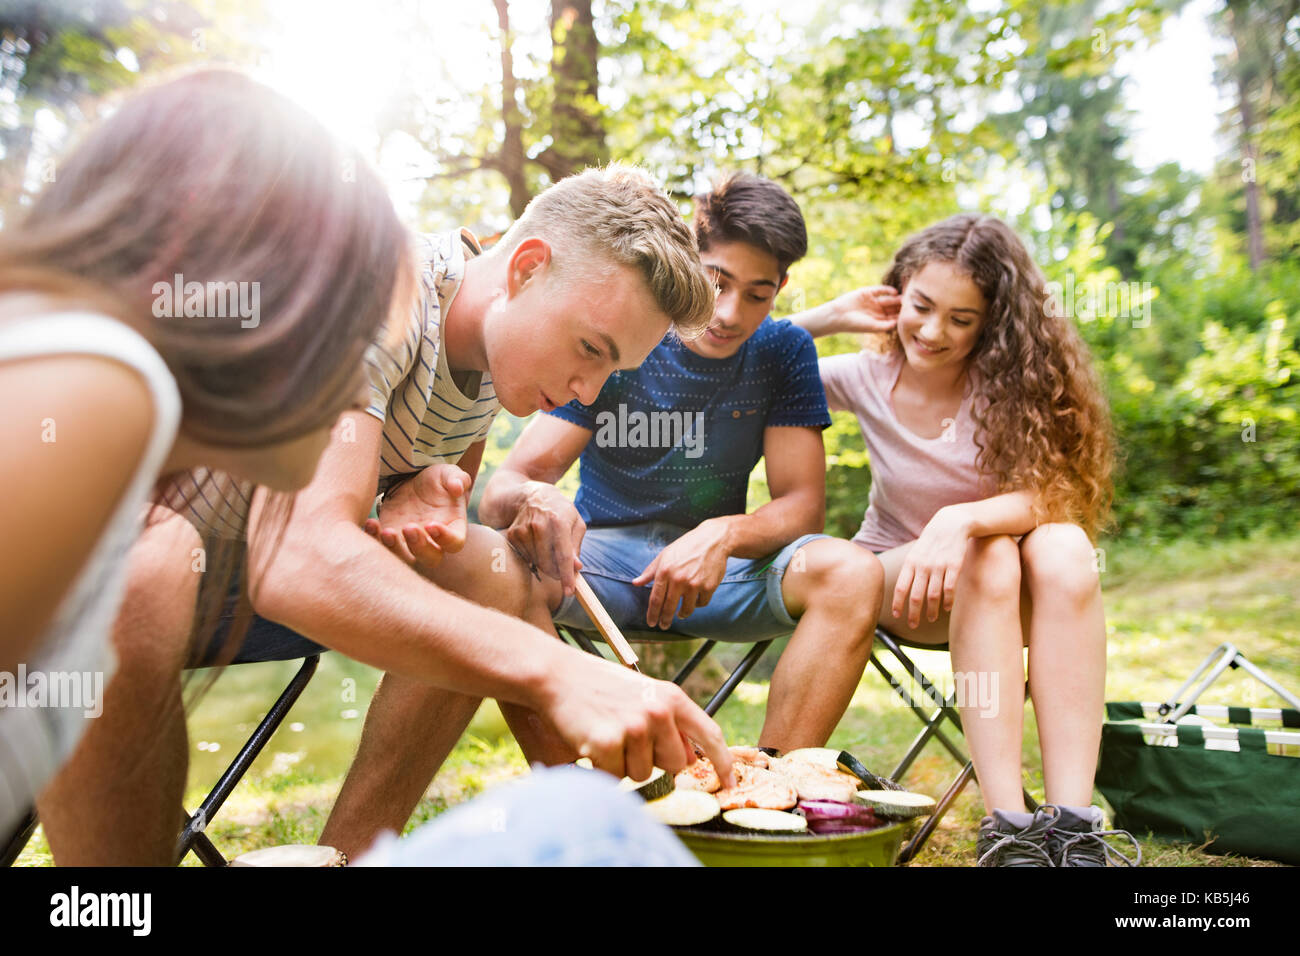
(933, 710)
(590, 642)
(192, 836)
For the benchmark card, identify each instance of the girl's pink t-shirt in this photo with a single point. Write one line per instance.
(911, 477)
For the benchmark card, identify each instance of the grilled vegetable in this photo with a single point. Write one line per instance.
(766, 821)
(897, 804)
(658, 784)
(833, 816)
(836, 827)
(685, 808)
(851, 764)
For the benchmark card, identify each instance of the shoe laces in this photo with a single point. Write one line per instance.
(1092, 844)
(1019, 846)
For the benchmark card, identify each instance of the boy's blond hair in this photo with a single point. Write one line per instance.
(618, 214)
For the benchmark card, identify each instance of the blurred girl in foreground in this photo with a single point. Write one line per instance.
(195, 290)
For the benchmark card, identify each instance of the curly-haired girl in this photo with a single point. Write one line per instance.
(991, 456)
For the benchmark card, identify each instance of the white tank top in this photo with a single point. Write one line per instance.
(36, 739)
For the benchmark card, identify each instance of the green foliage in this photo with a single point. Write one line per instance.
(880, 118)
(1217, 451)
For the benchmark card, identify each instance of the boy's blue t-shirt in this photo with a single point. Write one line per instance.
(675, 439)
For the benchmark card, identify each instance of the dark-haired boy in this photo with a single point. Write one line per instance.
(659, 526)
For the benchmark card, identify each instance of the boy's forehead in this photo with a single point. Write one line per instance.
(622, 315)
(742, 262)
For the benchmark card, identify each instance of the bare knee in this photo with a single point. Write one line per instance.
(992, 568)
(1060, 565)
(164, 570)
(835, 574)
(487, 571)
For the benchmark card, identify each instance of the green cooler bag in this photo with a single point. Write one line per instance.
(1245, 801)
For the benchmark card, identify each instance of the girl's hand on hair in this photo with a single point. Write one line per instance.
(425, 517)
(869, 309)
(928, 578)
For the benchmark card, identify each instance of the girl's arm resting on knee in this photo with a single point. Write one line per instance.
(928, 578)
(1009, 513)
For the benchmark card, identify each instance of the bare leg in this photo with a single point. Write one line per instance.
(410, 729)
(833, 588)
(117, 801)
(985, 637)
(986, 641)
(412, 726)
(1067, 657)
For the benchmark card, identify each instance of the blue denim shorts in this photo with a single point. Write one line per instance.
(747, 606)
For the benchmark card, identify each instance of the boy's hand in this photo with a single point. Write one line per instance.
(424, 517)
(687, 571)
(547, 530)
(628, 724)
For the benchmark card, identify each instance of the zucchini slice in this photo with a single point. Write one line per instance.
(685, 808)
(899, 804)
(766, 821)
(658, 784)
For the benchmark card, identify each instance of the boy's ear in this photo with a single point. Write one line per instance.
(529, 261)
(784, 279)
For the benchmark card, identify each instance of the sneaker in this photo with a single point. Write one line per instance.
(1078, 838)
(1015, 838)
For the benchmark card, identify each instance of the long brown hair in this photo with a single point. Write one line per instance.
(1042, 420)
(213, 178)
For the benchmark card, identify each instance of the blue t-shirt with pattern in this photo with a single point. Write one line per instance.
(675, 439)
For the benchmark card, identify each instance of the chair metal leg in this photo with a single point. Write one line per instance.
(915, 844)
(736, 677)
(932, 722)
(196, 824)
(689, 667)
(18, 840)
(945, 710)
(581, 640)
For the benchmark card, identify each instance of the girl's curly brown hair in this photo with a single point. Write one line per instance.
(1042, 422)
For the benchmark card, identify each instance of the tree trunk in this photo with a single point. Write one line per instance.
(511, 155)
(1254, 227)
(1243, 68)
(577, 126)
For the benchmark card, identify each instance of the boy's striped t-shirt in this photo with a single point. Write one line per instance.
(427, 417)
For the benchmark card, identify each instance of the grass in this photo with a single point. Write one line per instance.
(1167, 608)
